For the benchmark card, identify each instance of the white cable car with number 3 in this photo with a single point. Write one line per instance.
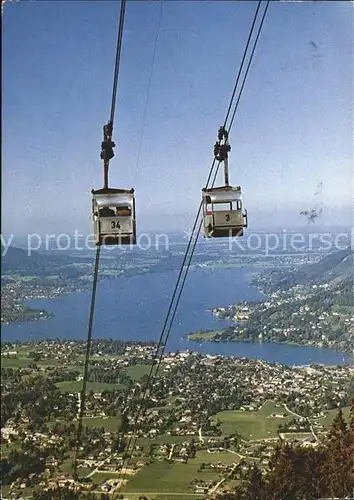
(222, 206)
(222, 212)
(114, 216)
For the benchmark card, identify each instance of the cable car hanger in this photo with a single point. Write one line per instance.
(221, 151)
(222, 206)
(113, 210)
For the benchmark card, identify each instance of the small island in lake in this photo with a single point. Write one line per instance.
(203, 335)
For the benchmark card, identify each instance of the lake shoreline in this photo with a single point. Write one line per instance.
(198, 337)
(133, 312)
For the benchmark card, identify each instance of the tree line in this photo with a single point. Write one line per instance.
(300, 473)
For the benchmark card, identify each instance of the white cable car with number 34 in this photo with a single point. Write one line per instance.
(113, 210)
(114, 216)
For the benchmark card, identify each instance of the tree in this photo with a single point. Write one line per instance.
(296, 472)
(340, 453)
(56, 494)
(192, 449)
(254, 488)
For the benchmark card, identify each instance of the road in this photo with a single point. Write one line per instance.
(97, 468)
(149, 494)
(78, 404)
(313, 433)
(170, 455)
(292, 412)
(213, 490)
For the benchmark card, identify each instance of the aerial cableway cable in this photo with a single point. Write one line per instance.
(117, 62)
(148, 91)
(87, 358)
(248, 66)
(191, 246)
(107, 144)
(108, 129)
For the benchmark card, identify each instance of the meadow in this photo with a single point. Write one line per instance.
(165, 478)
(73, 386)
(252, 424)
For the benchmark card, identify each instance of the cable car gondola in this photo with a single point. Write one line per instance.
(113, 210)
(223, 215)
(222, 212)
(114, 216)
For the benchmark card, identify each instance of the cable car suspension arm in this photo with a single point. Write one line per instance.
(221, 151)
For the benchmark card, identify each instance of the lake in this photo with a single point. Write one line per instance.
(134, 308)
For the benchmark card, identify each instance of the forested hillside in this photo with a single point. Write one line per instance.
(332, 269)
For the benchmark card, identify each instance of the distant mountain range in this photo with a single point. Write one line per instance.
(336, 266)
(17, 260)
(333, 269)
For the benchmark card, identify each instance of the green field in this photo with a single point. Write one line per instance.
(7, 447)
(298, 436)
(101, 477)
(212, 458)
(162, 478)
(137, 371)
(82, 357)
(84, 471)
(174, 496)
(76, 386)
(250, 424)
(23, 361)
(22, 350)
(15, 362)
(165, 438)
(327, 421)
(109, 423)
(66, 466)
(5, 490)
(165, 496)
(256, 425)
(48, 362)
(75, 368)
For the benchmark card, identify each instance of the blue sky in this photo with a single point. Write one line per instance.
(294, 126)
